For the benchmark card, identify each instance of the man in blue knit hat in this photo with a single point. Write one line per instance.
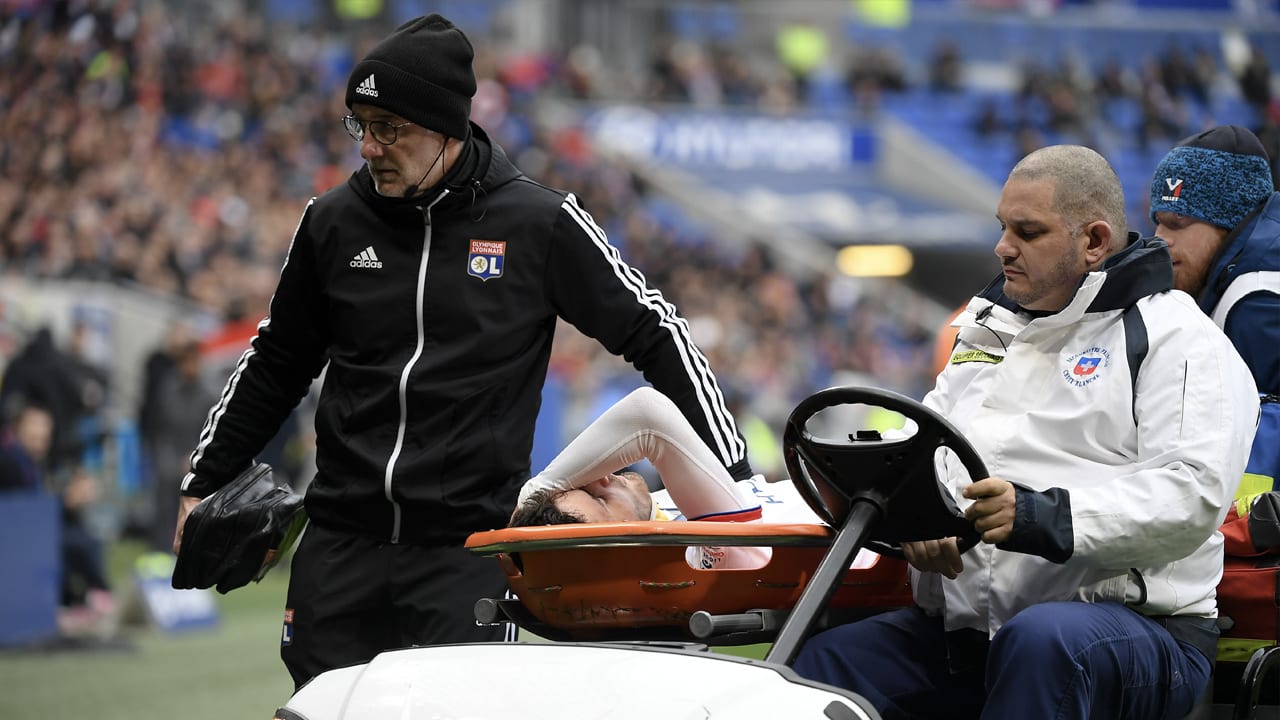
(1213, 202)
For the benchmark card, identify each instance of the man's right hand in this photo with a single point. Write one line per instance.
(185, 505)
(941, 556)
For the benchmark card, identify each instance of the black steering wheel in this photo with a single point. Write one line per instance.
(897, 475)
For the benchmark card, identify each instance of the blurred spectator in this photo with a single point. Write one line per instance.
(1065, 114)
(160, 363)
(738, 84)
(988, 122)
(667, 79)
(88, 605)
(41, 374)
(1269, 134)
(872, 72)
(92, 385)
(25, 441)
(1058, 100)
(1180, 78)
(1204, 71)
(698, 83)
(945, 68)
(176, 412)
(1163, 115)
(1255, 80)
(1114, 81)
(1033, 79)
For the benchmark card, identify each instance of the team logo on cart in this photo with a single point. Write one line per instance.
(1083, 368)
(486, 259)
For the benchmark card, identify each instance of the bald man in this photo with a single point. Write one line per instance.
(1115, 419)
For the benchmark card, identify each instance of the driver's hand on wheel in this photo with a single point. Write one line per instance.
(993, 510)
(940, 556)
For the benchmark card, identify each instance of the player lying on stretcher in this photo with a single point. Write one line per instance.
(583, 485)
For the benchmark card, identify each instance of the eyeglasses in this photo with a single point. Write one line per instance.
(382, 131)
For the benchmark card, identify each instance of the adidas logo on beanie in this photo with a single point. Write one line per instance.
(1218, 176)
(423, 74)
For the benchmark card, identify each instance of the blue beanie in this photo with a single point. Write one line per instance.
(1218, 176)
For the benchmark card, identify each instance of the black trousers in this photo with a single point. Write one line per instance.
(351, 597)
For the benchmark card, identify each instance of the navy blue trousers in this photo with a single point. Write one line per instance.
(1053, 660)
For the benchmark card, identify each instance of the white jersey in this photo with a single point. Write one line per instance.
(779, 502)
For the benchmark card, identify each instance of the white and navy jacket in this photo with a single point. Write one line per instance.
(434, 318)
(1124, 420)
(1242, 293)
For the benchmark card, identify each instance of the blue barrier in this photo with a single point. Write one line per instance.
(30, 567)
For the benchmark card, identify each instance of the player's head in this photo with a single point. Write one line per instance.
(541, 509)
(622, 497)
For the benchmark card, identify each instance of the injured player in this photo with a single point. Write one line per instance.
(583, 483)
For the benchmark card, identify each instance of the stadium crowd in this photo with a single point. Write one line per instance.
(175, 151)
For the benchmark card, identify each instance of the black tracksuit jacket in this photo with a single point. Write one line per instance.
(434, 318)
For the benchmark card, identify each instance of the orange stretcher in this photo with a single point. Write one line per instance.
(602, 581)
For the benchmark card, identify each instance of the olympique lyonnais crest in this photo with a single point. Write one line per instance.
(486, 259)
(1083, 368)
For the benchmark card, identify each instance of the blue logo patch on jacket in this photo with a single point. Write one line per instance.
(486, 258)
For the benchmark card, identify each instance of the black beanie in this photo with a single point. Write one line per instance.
(1218, 176)
(421, 72)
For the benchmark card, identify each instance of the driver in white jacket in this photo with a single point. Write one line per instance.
(1115, 420)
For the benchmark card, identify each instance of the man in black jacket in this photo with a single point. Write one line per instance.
(427, 287)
